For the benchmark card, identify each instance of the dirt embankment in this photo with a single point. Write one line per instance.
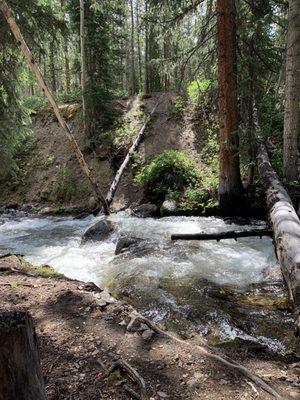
(50, 172)
(83, 332)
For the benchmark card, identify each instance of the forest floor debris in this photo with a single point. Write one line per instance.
(95, 351)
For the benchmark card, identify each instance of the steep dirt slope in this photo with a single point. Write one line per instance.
(53, 176)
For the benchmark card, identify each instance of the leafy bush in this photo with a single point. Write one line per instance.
(177, 107)
(169, 171)
(197, 88)
(65, 184)
(174, 175)
(37, 102)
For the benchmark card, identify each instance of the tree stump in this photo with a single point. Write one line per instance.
(20, 371)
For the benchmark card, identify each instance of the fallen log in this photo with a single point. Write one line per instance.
(221, 235)
(286, 228)
(6, 11)
(20, 371)
(117, 179)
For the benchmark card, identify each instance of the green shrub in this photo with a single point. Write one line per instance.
(197, 88)
(37, 102)
(169, 171)
(177, 107)
(65, 184)
(175, 175)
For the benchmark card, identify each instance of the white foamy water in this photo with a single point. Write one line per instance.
(180, 283)
(57, 241)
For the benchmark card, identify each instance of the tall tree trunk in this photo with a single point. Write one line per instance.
(36, 71)
(249, 111)
(52, 67)
(133, 76)
(67, 65)
(166, 50)
(20, 371)
(66, 54)
(79, 66)
(83, 66)
(230, 185)
(138, 29)
(292, 93)
(147, 79)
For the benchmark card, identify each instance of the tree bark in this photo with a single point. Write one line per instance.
(286, 228)
(230, 185)
(52, 67)
(292, 94)
(147, 69)
(138, 29)
(67, 131)
(67, 65)
(20, 371)
(83, 65)
(66, 54)
(133, 75)
(116, 181)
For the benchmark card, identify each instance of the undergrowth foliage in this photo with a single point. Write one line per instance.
(176, 176)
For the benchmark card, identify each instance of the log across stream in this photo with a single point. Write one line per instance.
(205, 287)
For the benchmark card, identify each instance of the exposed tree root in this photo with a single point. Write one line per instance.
(134, 375)
(208, 353)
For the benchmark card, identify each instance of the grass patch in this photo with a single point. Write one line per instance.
(46, 271)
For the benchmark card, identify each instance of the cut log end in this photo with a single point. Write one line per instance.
(20, 370)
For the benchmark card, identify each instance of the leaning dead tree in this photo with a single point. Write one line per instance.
(66, 129)
(116, 181)
(20, 371)
(286, 228)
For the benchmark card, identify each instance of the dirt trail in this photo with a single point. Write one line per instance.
(83, 331)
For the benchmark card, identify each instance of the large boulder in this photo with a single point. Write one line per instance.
(146, 210)
(168, 207)
(101, 230)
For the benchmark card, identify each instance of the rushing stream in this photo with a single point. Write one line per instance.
(221, 290)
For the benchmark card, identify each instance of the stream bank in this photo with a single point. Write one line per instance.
(80, 336)
(206, 288)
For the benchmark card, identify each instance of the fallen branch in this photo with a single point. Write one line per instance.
(208, 353)
(134, 375)
(221, 235)
(66, 129)
(116, 181)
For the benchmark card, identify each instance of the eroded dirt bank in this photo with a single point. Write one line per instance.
(82, 332)
(50, 176)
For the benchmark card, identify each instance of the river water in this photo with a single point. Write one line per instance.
(220, 290)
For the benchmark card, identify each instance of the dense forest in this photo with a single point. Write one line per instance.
(136, 132)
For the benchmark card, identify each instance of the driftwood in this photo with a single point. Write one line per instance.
(221, 235)
(286, 228)
(36, 71)
(20, 372)
(116, 181)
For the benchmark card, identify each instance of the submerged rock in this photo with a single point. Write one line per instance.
(125, 242)
(168, 207)
(146, 210)
(101, 230)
